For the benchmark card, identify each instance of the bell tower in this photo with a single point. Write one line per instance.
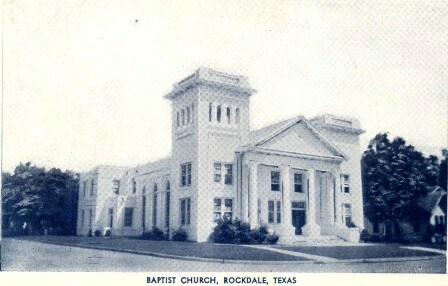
(210, 120)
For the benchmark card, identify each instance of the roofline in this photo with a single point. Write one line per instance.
(263, 150)
(310, 127)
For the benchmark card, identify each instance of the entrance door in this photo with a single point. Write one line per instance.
(298, 216)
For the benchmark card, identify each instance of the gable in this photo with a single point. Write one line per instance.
(298, 138)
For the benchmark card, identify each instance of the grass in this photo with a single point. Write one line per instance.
(187, 249)
(359, 252)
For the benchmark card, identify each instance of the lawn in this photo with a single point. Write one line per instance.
(188, 249)
(358, 252)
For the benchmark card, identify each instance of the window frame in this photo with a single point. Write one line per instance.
(274, 212)
(185, 211)
(347, 213)
(222, 212)
(116, 187)
(275, 186)
(128, 217)
(185, 174)
(345, 183)
(299, 186)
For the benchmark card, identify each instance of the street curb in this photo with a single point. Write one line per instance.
(253, 262)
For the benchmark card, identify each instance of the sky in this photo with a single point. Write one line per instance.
(83, 81)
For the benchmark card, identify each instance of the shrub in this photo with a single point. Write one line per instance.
(180, 235)
(154, 234)
(238, 232)
(107, 233)
(365, 236)
(271, 239)
(97, 233)
(258, 235)
(223, 232)
(89, 234)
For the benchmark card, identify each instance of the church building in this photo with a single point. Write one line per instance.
(301, 178)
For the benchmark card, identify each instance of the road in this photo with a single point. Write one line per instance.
(22, 255)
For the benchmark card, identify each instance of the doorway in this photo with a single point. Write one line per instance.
(298, 212)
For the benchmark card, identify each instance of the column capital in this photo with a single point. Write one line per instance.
(253, 164)
(285, 167)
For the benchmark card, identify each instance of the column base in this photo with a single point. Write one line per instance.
(311, 229)
(287, 234)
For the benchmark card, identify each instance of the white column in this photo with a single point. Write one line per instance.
(311, 228)
(285, 176)
(253, 194)
(287, 230)
(332, 192)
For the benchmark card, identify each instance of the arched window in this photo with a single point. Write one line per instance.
(134, 186)
(154, 206)
(183, 117)
(228, 115)
(192, 113)
(167, 187)
(188, 114)
(178, 119)
(210, 112)
(218, 113)
(143, 207)
(237, 116)
(167, 204)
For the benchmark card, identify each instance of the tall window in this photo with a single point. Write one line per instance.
(275, 181)
(274, 212)
(219, 169)
(143, 207)
(84, 187)
(183, 116)
(185, 208)
(228, 179)
(128, 216)
(298, 183)
(237, 116)
(178, 119)
(347, 214)
(346, 183)
(228, 115)
(167, 205)
(134, 186)
(154, 206)
(90, 217)
(116, 187)
(220, 212)
(210, 112)
(218, 113)
(185, 179)
(192, 113)
(82, 218)
(92, 187)
(188, 115)
(111, 218)
(217, 174)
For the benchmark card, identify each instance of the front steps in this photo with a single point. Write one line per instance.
(319, 240)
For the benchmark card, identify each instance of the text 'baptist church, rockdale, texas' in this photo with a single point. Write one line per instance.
(299, 177)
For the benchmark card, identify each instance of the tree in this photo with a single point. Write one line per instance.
(395, 175)
(35, 200)
(443, 171)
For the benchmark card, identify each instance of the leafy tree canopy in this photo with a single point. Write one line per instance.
(39, 198)
(395, 175)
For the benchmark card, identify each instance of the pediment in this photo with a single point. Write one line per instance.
(300, 138)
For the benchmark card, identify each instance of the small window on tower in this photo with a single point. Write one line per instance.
(218, 113)
(183, 117)
(210, 112)
(188, 115)
(228, 115)
(237, 116)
